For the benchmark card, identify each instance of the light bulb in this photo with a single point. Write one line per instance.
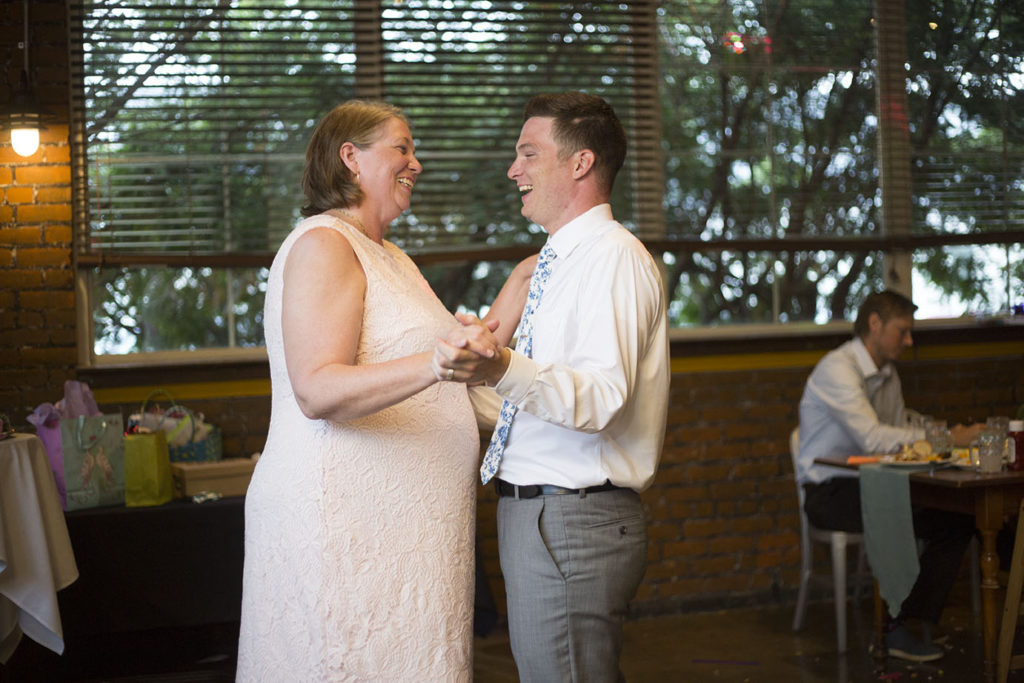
(25, 140)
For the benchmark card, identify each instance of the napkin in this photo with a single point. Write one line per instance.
(889, 532)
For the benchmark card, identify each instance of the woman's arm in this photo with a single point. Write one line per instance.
(322, 313)
(508, 306)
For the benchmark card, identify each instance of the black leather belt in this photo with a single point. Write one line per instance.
(506, 489)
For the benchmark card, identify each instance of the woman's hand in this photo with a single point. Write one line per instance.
(470, 353)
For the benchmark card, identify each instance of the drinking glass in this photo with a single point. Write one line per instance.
(1000, 425)
(939, 437)
(990, 452)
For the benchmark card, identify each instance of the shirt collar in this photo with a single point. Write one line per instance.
(580, 229)
(866, 363)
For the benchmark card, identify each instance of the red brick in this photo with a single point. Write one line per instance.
(713, 565)
(702, 434)
(730, 544)
(773, 541)
(747, 507)
(58, 279)
(58, 233)
(19, 195)
(43, 256)
(43, 213)
(22, 235)
(686, 493)
(703, 508)
(708, 472)
(54, 195)
(20, 278)
(43, 175)
(56, 154)
(44, 356)
(746, 525)
(732, 490)
(731, 451)
(705, 527)
(30, 317)
(756, 470)
(45, 301)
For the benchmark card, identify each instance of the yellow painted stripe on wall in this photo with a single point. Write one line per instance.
(807, 359)
(186, 391)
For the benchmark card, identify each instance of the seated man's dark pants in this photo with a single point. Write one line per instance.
(835, 505)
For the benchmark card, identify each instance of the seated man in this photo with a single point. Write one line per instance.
(853, 404)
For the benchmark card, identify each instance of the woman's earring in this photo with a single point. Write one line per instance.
(357, 178)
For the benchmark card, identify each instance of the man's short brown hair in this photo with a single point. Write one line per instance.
(584, 121)
(887, 304)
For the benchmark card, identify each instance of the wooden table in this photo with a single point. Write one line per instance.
(991, 499)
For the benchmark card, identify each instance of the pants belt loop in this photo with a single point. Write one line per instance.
(583, 493)
(515, 487)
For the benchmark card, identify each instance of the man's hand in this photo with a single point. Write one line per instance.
(963, 435)
(470, 353)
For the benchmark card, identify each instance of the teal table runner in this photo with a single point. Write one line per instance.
(889, 531)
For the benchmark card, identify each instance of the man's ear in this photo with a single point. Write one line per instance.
(348, 154)
(583, 163)
(874, 322)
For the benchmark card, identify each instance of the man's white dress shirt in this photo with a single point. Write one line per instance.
(593, 398)
(850, 407)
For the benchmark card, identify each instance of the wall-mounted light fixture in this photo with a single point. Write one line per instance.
(24, 113)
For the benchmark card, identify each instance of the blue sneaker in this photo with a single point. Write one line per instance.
(903, 644)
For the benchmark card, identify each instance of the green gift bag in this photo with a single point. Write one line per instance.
(147, 470)
(93, 454)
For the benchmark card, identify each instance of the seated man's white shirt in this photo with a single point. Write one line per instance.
(850, 407)
(593, 398)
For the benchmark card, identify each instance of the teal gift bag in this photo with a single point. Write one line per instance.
(93, 449)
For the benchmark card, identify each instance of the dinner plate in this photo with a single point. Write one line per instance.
(892, 462)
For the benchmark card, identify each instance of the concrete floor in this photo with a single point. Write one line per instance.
(757, 645)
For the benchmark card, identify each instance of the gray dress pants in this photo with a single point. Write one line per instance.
(571, 565)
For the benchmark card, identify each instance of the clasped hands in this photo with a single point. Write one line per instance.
(470, 353)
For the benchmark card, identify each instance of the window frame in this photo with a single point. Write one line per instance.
(897, 241)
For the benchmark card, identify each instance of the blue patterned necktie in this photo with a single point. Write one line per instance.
(508, 411)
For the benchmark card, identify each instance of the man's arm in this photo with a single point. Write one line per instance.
(839, 387)
(587, 388)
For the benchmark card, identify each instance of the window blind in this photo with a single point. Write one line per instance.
(190, 119)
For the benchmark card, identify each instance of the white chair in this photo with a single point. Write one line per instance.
(838, 541)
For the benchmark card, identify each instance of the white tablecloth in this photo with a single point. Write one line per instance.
(36, 559)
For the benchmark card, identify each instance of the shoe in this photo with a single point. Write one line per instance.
(903, 644)
(933, 634)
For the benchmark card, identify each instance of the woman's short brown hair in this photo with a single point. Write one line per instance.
(327, 183)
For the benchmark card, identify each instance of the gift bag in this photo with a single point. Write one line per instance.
(189, 437)
(46, 419)
(93, 454)
(78, 401)
(201, 442)
(147, 470)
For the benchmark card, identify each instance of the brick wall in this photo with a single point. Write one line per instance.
(723, 521)
(724, 526)
(37, 303)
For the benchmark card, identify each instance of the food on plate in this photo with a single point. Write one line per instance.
(918, 451)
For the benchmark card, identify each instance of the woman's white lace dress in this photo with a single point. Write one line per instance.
(359, 535)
